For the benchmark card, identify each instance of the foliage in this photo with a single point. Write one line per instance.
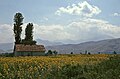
(28, 42)
(29, 32)
(55, 52)
(99, 66)
(89, 53)
(108, 69)
(29, 35)
(6, 55)
(50, 52)
(114, 52)
(18, 18)
(71, 53)
(86, 52)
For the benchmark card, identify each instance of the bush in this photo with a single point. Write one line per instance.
(7, 54)
(50, 52)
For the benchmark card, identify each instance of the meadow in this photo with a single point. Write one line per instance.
(98, 66)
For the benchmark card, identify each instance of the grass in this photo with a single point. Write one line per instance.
(99, 66)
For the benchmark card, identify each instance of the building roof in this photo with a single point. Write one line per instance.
(29, 48)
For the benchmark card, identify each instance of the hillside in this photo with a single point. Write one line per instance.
(103, 46)
(6, 47)
(48, 43)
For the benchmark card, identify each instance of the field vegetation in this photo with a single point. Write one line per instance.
(99, 66)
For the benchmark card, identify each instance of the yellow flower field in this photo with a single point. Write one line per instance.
(38, 67)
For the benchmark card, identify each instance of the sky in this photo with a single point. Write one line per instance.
(66, 21)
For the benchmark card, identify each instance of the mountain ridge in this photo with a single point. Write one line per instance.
(48, 43)
(103, 46)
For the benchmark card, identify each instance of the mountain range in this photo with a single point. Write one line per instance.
(6, 47)
(48, 43)
(103, 46)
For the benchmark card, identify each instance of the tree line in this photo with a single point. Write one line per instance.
(18, 22)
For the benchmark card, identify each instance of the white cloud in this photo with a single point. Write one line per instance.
(82, 30)
(48, 32)
(116, 14)
(94, 29)
(6, 34)
(81, 9)
(51, 32)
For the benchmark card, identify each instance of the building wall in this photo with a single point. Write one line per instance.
(29, 53)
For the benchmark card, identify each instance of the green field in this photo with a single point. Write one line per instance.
(99, 66)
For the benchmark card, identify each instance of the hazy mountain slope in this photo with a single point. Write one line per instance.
(104, 46)
(2, 51)
(48, 43)
(6, 46)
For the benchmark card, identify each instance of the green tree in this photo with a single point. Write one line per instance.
(114, 52)
(18, 19)
(71, 53)
(89, 53)
(29, 35)
(50, 52)
(98, 52)
(55, 52)
(29, 32)
(86, 52)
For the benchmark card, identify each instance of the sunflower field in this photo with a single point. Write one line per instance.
(99, 66)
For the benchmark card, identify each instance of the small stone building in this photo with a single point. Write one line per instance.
(29, 50)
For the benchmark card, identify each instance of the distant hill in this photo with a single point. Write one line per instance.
(8, 47)
(48, 43)
(2, 51)
(103, 46)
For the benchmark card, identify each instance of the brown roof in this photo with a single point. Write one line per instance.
(30, 48)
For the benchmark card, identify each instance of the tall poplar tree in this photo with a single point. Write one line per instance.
(29, 32)
(29, 35)
(18, 21)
